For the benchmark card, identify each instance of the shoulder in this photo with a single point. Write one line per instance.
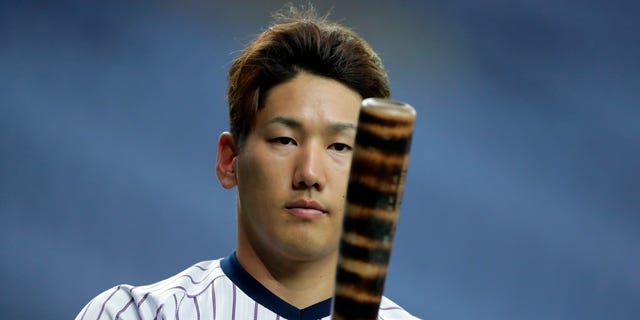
(389, 310)
(149, 301)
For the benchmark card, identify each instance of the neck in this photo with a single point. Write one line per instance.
(300, 283)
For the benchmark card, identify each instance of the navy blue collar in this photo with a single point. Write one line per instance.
(254, 289)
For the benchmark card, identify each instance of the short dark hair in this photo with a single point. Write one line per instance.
(298, 41)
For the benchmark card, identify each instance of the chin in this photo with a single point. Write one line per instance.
(309, 251)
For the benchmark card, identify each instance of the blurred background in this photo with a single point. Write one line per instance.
(523, 193)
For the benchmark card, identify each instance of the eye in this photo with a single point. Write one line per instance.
(283, 140)
(340, 147)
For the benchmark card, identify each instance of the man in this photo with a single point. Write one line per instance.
(294, 96)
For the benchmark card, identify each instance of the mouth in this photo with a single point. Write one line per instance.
(306, 209)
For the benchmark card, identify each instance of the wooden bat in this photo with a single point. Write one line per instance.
(374, 193)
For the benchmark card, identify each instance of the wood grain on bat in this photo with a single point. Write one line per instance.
(374, 193)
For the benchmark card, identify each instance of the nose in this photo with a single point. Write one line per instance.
(309, 171)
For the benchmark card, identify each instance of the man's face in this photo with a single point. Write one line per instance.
(293, 168)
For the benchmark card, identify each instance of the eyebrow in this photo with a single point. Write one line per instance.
(289, 122)
(336, 127)
(341, 127)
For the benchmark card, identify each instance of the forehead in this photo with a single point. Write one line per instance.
(311, 99)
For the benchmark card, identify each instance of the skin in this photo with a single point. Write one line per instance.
(291, 177)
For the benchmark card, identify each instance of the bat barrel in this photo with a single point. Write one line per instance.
(374, 193)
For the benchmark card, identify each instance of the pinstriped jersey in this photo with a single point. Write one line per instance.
(218, 289)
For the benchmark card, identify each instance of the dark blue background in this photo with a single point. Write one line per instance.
(523, 194)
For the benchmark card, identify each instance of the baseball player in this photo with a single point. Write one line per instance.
(294, 95)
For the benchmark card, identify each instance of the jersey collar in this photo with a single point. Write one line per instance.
(254, 289)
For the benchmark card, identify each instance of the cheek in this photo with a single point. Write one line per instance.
(342, 178)
(249, 173)
(260, 173)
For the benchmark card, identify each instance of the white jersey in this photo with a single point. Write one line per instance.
(219, 289)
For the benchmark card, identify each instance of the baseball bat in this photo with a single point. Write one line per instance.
(374, 192)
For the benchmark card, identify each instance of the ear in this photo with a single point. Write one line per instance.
(226, 161)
